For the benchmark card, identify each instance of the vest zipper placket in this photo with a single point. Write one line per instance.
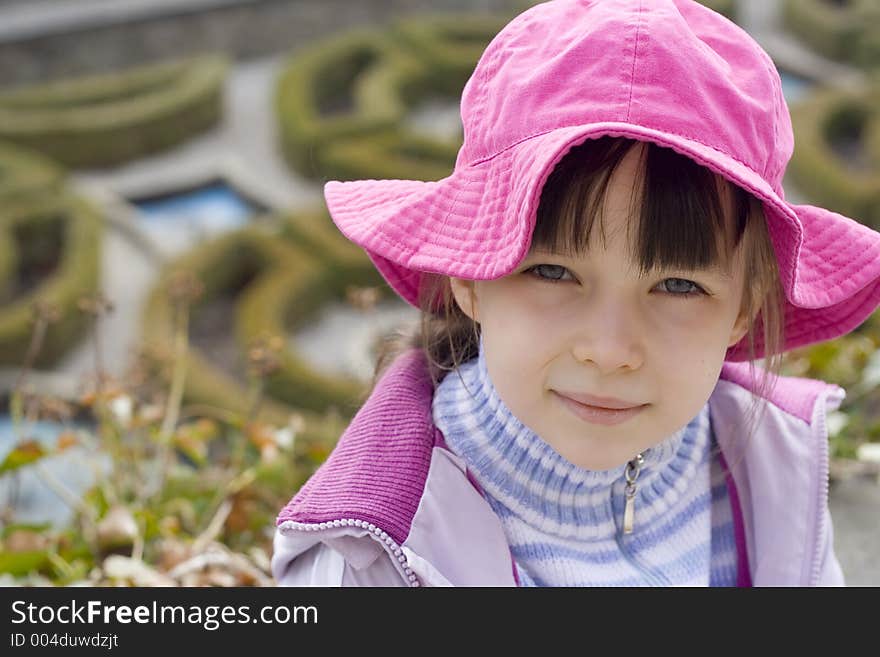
(376, 533)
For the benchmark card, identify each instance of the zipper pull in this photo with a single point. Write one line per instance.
(631, 473)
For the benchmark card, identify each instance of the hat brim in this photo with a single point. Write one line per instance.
(477, 224)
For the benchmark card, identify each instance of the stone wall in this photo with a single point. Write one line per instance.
(79, 37)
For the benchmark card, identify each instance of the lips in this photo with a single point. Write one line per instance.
(599, 402)
(600, 414)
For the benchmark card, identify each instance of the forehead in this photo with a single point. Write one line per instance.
(659, 207)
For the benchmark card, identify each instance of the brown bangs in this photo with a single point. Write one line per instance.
(681, 206)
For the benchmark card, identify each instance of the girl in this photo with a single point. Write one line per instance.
(597, 276)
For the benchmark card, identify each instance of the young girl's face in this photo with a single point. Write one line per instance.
(592, 325)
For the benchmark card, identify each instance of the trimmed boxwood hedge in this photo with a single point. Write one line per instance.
(724, 7)
(113, 118)
(286, 282)
(75, 224)
(847, 33)
(818, 169)
(24, 174)
(312, 79)
(390, 155)
(448, 46)
(378, 77)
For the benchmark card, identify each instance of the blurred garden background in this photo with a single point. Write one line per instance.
(184, 333)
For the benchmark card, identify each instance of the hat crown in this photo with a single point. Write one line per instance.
(670, 65)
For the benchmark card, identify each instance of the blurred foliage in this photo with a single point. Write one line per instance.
(844, 30)
(190, 493)
(837, 151)
(852, 362)
(268, 287)
(341, 102)
(113, 118)
(50, 250)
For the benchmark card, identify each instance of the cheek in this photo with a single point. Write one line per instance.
(689, 351)
(512, 316)
(701, 325)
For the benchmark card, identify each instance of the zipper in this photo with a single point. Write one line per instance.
(376, 533)
(631, 474)
(823, 486)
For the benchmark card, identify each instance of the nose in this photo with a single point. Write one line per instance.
(607, 336)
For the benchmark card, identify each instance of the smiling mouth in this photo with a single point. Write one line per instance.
(599, 414)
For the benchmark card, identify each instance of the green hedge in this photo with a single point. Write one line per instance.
(113, 118)
(390, 155)
(205, 382)
(375, 78)
(279, 284)
(820, 171)
(25, 174)
(848, 33)
(74, 223)
(311, 81)
(725, 7)
(448, 46)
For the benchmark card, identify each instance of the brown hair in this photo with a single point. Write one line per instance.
(679, 200)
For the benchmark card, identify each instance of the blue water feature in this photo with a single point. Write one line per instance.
(35, 501)
(177, 220)
(794, 87)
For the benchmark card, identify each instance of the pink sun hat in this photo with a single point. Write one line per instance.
(671, 72)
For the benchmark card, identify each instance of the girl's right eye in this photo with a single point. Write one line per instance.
(551, 273)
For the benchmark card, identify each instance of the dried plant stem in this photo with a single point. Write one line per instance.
(175, 396)
(178, 378)
(99, 366)
(205, 410)
(214, 527)
(137, 550)
(36, 343)
(67, 496)
(107, 432)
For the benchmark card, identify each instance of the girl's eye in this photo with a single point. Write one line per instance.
(552, 273)
(681, 287)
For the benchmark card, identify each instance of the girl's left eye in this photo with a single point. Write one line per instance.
(551, 273)
(681, 287)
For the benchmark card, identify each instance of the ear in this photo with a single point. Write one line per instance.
(465, 296)
(740, 328)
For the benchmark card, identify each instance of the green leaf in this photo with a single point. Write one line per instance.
(22, 563)
(23, 454)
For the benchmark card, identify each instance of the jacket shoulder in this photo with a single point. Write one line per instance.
(377, 470)
(797, 396)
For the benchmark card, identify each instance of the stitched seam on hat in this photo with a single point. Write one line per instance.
(458, 194)
(622, 129)
(489, 71)
(632, 74)
(833, 324)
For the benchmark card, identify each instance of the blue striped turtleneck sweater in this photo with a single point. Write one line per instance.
(563, 522)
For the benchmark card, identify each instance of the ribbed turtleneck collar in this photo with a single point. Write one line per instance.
(527, 476)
